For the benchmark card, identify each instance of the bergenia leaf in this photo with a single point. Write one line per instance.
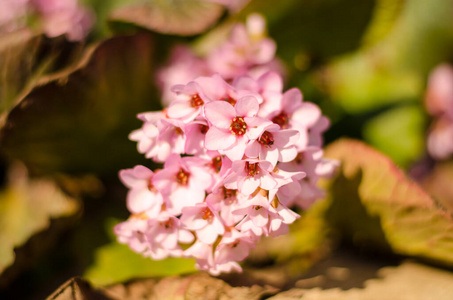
(79, 121)
(115, 263)
(25, 57)
(197, 286)
(178, 17)
(26, 208)
(374, 204)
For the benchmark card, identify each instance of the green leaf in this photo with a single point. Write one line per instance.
(117, 263)
(375, 205)
(319, 28)
(80, 120)
(399, 133)
(178, 17)
(26, 208)
(394, 69)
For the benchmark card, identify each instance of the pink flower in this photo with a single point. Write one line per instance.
(225, 201)
(171, 139)
(229, 129)
(269, 86)
(183, 67)
(204, 220)
(189, 102)
(312, 163)
(195, 136)
(64, 17)
(234, 246)
(273, 144)
(148, 134)
(183, 181)
(439, 95)
(143, 196)
(440, 138)
(132, 232)
(164, 235)
(247, 47)
(12, 14)
(247, 175)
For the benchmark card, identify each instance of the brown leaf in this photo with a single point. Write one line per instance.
(179, 17)
(76, 289)
(197, 287)
(409, 281)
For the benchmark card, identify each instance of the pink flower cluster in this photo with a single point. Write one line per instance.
(237, 155)
(439, 103)
(247, 51)
(55, 17)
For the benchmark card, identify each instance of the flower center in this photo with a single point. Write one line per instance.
(282, 119)
(206, 214)
(228, 193)
(230, 100)
(151, 185)
(204, 129)
(251, 169)
(179, 131)
(266, 139)
(182, 177)
(217, 163)
(238, 126)
(196, 101)
(168, 224)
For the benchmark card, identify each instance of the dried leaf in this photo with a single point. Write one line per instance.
(409, 281)
(196, 287)
(179, 17)
(76, 289)
(375, 205)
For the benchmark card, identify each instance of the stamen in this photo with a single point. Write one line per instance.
(230, 100)
(228, 193)
(196, 101)
(182, 177)
(204, 129)
(217, 163)
(266, 139)
(251, 169)
(206, 214)
(282, 119)
(238, 126)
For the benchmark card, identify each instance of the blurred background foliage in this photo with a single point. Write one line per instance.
(68, 107)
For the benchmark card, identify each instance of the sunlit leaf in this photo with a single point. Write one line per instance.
(26, 208)
(407, 281)
(399, 133)
(438, 184)
(375, 205)
(395, 68)
(117, 263)
(179, 17)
